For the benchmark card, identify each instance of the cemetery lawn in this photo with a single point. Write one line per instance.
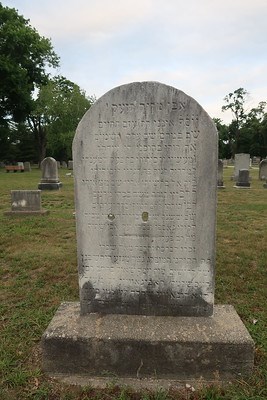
(38, 271)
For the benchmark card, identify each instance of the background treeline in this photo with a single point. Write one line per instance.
(247, 133)
(39, 113)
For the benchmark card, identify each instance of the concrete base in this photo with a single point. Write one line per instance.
(221, 187)
(49, 186)
(150, 347)
(17, 213)
(242, 187)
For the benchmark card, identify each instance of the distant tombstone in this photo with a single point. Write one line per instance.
(242, 161)
(27, 166)
(58, 164)
(220, 184)
(263, 170)
(26, 202)
(243, 179)
(145, 167)
(70, 164)
(49, 180)
(64, 164)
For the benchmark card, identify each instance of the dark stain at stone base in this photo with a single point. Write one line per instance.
(147, 302)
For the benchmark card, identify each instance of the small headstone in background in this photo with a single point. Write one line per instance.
(49, 179)
(263, 170)
(64, 164)
(220, 175)
(58, 164)
(70, 164)
(26, 202)
(27, 166)
(243, 179)
(225, 163)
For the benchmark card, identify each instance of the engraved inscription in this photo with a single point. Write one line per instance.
(139, 179)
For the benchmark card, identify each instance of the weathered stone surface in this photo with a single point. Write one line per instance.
(49, 179)
(220, 184)
(145, 162)
(243, 179)
(242, 161)
(263, 170)
(148, 346)
(26, 202)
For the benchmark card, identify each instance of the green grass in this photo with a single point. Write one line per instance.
(38, 270)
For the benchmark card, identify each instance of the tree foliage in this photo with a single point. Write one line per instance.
(59, 106)
(24, 56)
(247, 131)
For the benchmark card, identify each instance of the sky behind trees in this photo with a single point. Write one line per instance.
(206, 48)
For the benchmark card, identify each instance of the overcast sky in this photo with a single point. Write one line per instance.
(206, 48)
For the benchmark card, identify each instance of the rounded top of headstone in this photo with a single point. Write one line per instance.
(160, 99)
(48, 159)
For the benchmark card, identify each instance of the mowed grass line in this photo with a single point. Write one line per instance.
(38, 270)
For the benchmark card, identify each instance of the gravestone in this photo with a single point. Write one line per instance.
(263, 170)
(242, 161)
(220, 184)
(58, 164)
(145, 163)
(26, 202)
(49, 180)
(64, 164)
(138, 178)
(243, 179)
(27, 166)
(70, 164)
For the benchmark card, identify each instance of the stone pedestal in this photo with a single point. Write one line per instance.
(49, 185)
(156, 347)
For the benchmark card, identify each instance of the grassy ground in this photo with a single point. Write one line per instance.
(38, 272)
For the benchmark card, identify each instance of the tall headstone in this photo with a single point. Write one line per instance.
(139, 172)
(242, 161)
(26, 202)
(263, 170)
(220, 184)
(49, 180)
(145, 167)
(243, 179)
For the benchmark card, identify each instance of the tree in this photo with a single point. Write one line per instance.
(236, 103)
(225, 139)
(59, 106)
(253, 132)
(24, 56)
